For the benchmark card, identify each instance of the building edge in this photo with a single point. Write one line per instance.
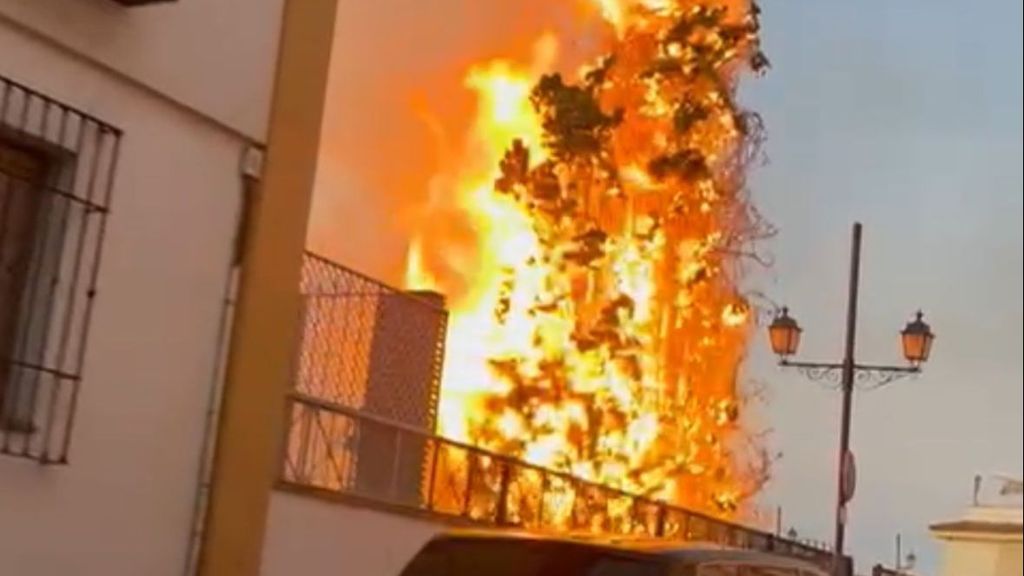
(261, 353)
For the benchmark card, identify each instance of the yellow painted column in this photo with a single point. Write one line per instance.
(251, 426)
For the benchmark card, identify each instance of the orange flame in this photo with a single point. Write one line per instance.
(596, 324)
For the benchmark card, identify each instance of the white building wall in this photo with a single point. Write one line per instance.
(123, 506)
(214, 56)
(314, 537)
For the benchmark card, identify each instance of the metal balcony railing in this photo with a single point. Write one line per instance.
(336, 449)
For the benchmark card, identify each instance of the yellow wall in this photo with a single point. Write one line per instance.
(1011, 560)
(251, 427)
(968, 559)
(981, 558)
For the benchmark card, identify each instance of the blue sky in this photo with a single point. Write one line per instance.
(904, 114)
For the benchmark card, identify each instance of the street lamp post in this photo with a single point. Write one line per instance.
(784, 337)
(903, 563)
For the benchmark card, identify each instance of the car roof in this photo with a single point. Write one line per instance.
(690, 552)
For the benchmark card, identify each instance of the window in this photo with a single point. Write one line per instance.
(56, 175)
(21, 176)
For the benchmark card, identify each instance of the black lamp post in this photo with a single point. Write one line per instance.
(784, 336)
(904, 564)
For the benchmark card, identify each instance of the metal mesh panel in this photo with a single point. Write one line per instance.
(379, 350)
(368, 346)
(405, 358)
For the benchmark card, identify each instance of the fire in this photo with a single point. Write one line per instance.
(597, 324)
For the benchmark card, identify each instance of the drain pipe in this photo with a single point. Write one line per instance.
(252, 160)
(202, 490)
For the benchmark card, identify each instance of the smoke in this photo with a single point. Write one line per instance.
(397, 107)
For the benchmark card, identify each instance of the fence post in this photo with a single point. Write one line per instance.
(542, 502)
(662, 519)
(431, 485)
(396, 465)
(506, 479)
(305, 438)
(468, 496)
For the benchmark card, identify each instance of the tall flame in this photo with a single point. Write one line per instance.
(596, 322)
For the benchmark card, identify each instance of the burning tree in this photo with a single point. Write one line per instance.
(607, 326)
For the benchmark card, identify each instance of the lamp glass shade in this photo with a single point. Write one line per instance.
(917, 340)
(784, 335)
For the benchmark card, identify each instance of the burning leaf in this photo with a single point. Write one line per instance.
(515, 167)
(688, 164)
(572, 119)
(688, 114)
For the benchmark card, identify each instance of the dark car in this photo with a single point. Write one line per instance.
(506, 554)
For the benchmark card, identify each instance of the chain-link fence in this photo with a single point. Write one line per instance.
(369, 346)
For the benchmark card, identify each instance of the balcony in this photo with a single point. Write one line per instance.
(361, 421)
(336, 451)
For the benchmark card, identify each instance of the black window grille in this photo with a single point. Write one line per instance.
(56, 176)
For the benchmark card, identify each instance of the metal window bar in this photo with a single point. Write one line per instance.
(52, 226)
(415, 470)
(369, 346)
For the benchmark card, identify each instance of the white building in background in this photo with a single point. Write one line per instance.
(987, 539)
